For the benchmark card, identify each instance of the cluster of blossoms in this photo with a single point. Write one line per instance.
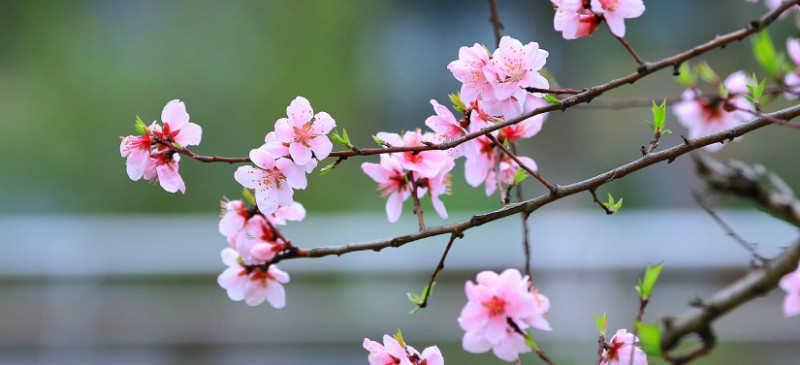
(394, 351)
(155, 161)
(622, 350)
(495, 89)
(578, 18)
(703, 115)
(791, 284)
(499, 310)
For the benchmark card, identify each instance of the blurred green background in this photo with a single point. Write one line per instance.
(75, 74)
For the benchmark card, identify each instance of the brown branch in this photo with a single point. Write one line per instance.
(526, 244)
(495, 19)
(642, 64)
(530, 205)
(415, 197)
(201, 158)
(584, 96)
(766, 117)
(510, 154)
(750, 247)
(549, 91)
(648, 102)
(439, 268)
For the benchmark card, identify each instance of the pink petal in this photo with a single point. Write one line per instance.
(190, 135)
(254, 293)
(393, 347)
(433, 356)
(791, 305)
(231, 281)
(295, 175)
(394, 206)
(323, 123)
(169, 178)
(231, 223)
(496, 329)
(616, 23)
(283, 130)
(136, 163)
(376, 172)
(321, 146)
(299, 111)
(249, 176)
(300, 154)
(276, 294)
(262, 158)
(174, 114)
(473, 316)
(475, 342)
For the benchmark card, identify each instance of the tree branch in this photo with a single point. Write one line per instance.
(496, 24)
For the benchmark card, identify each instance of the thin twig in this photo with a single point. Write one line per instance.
(533, 173)
(597, 200)
(526, 244)
(496, 24)
(766, 117)
(415, 197)
(201, 158)
(557, 92)
(633, 53)
(750, 247)
(436, 272)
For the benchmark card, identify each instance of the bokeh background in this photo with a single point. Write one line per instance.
(99, 269)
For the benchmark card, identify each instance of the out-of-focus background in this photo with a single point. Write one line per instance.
(99, 269)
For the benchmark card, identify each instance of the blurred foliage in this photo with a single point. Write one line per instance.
(75, 74)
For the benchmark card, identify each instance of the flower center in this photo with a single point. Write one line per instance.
(495, 306)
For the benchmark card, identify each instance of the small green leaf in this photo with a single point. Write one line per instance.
(650, 338)
(338, 138)
(723, 91)
(552, 99)
(399, 337)
(602, 323)
(646, 284)
(706, 72)
(457, 103)
(659, 115)
(531, 342)
(327, 168)
(248, 196)
(345, 137)
(414, 311)
(666, 132)
(766, 56)
(379, 141)
(176, 144)
(140, 126)
(520, 176)
(413, 297)
(687, 77)
(618, 206)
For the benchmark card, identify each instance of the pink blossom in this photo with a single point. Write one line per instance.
(426, 163)
(393, 353)
(258, 243)
(705, 115)
(163, 167)
(294, 212)
(515, 67)
(137, 151)
(304, 133)
(391, 177)
(234, 216)
(480, 155)
(508, 169)
(791, 284)
(498, 312)
(438, 185)
(616, 11)
(792, 79)
(252, 285)
(469, 69)
(447, 128)
(621, 347)
(573, 20)
(273, 179)
(528, 127)
(176, 126)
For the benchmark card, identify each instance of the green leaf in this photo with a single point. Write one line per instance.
(646, 284)
(666, 132)
(531, 342)
(618, 206)
(140, 126)
(345, 137)
(457, 103)
(602, 323)
(687, 77)
(706, 72)
(552, 99)
(379, 141)
(766, 56)
(723, 91)
(338, 138)
(650, 338)
(399, 337)
(327, 168)
(248, 196)
(176, 144)
(414, 298)
(659, 115)
(520, 176)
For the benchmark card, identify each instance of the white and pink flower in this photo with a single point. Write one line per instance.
(393, 352)
(305, 132)
(176, 126)
(137, 151)
(703, 115)
(469, 69)
(426, 163)
(162, 167)
(791, 284)
(574, 20)
(514, 67)
(447, 128)
(438, 185)
(616, 11)
(273, 180)
(391, 177)
(507, 169)
(622, 350)
(499, 311)
(252, 284)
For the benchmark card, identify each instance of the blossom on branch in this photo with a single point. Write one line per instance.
(163, 167)
(273, 179)
(574, 20)
(394, 352)
(252, 284)
(507, 169)
(392, 179)
(425, 163)
(305, 132)
(704, 115)
(514, 67)
(792, 79)
(622, 350)
(469, 69)
(616, 11)
(499, 311)
(791, 284)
